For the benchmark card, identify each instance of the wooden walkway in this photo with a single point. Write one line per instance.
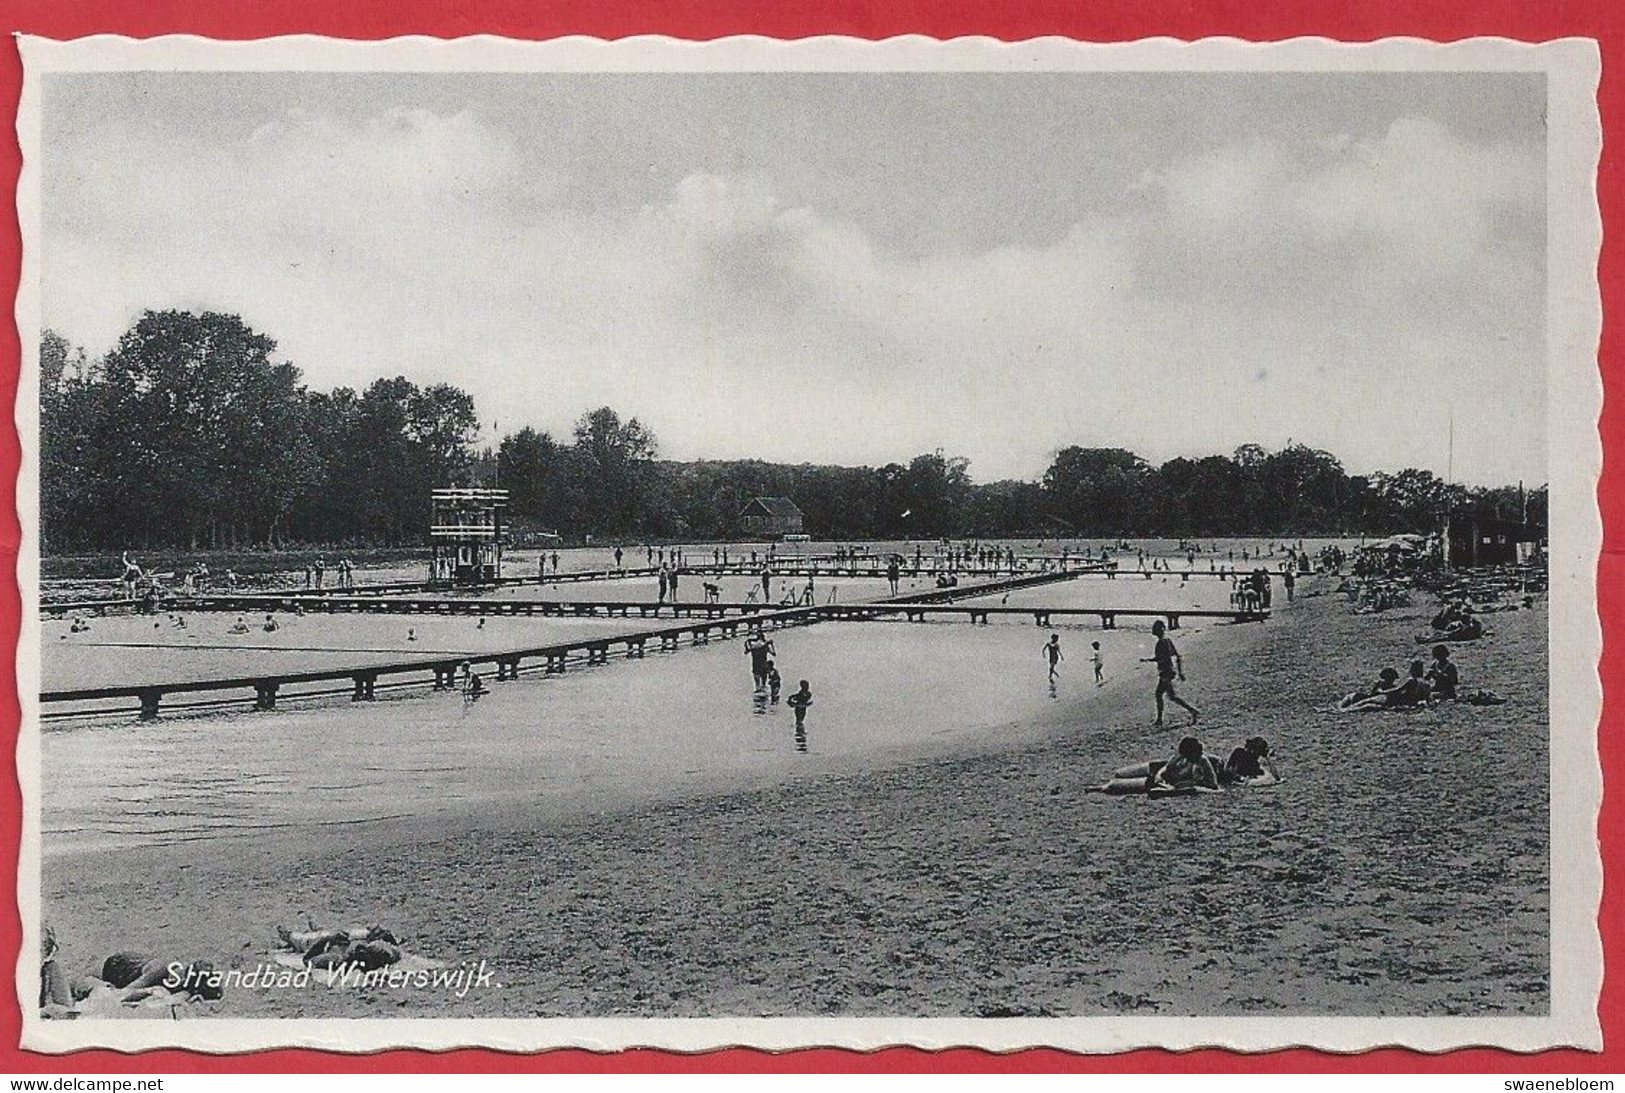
(707, 621)
(1041, 616)
(363, 681)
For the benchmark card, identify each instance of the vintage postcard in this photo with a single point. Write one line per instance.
(765, 543)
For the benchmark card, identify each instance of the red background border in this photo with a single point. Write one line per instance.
(1103, 20)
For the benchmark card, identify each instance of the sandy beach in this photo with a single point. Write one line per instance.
(1400, 869)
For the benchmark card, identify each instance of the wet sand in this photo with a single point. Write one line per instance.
(1401, 868)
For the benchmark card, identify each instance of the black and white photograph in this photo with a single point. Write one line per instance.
(824, 543)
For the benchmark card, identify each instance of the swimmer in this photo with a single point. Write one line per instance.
(761, 653)
(799, 703)
(411, 634)
(270, 626)
(239, 627)
(774, 682)
(481, 624)
(1052, 652)
(473, 685)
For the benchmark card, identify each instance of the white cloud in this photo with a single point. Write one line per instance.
(739, 324)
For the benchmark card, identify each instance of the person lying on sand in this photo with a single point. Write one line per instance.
(1374, 697)
(366, 948)
(1189, 768)
(140, 975)
(1391, 694)
(1250, 764)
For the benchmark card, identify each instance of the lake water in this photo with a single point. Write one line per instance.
(670, 723)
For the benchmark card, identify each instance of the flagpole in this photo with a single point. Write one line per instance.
(1449, 476)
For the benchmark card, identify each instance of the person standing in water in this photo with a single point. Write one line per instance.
(760, 650)
(1052, 651)
(1169, 667)
(799, 703)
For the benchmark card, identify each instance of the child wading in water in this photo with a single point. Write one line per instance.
(1052, 652)
(799, 703)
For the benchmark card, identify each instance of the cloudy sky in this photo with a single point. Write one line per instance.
(849, 268)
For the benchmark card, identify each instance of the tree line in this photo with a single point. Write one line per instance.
(190, 433)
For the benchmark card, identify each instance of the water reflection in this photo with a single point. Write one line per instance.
(801, 736)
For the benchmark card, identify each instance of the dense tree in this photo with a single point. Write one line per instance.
(192, 433)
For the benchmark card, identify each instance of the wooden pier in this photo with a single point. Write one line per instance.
(706, 621)
(362, 682)
(1041, 616)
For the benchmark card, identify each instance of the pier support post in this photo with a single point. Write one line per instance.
(265, 696)
(364, 684)
(149, 704)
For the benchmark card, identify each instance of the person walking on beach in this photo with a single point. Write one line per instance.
(767, 581)
(1289, 581)
(672, 580)
(664, 581)
(893, 572)
(618, 558)
(1169, 667)
(1100, 665)
(1052, 651)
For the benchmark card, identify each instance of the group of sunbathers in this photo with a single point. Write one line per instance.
(1424, 684)
(130, 977)
(1455, 622)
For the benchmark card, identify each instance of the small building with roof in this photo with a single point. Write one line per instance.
(771, 516)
